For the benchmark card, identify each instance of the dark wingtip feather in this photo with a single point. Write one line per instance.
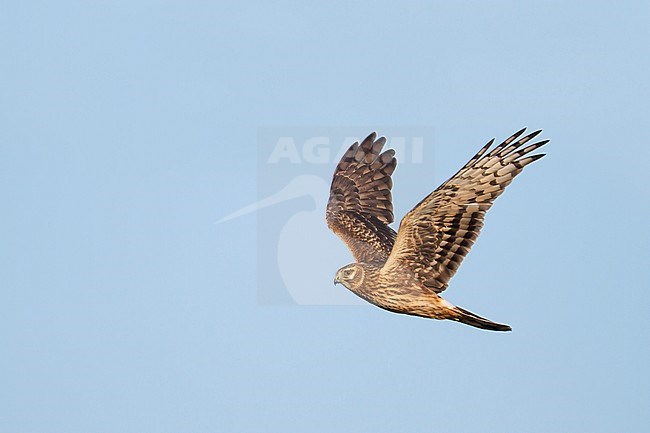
(538, 156)
(506, 142)
(486, 147)
(521, 163)
(516, 134)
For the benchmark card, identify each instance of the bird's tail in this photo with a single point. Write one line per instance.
(472, 319)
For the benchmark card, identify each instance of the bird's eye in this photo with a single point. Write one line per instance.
(349, 272)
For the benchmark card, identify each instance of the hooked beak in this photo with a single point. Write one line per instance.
(336, 280)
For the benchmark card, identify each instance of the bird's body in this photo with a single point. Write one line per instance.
(405, 272)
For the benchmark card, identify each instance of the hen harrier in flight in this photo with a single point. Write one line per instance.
(405, 272)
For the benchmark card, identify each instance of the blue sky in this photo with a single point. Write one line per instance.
(128, 128)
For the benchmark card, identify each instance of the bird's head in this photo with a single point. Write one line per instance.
(351, 276)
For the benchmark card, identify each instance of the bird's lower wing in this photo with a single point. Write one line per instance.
(437, 234)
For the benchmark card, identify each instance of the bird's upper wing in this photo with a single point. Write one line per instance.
(437, 234)
(360, 204)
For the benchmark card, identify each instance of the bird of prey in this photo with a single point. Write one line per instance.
(405, 272)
